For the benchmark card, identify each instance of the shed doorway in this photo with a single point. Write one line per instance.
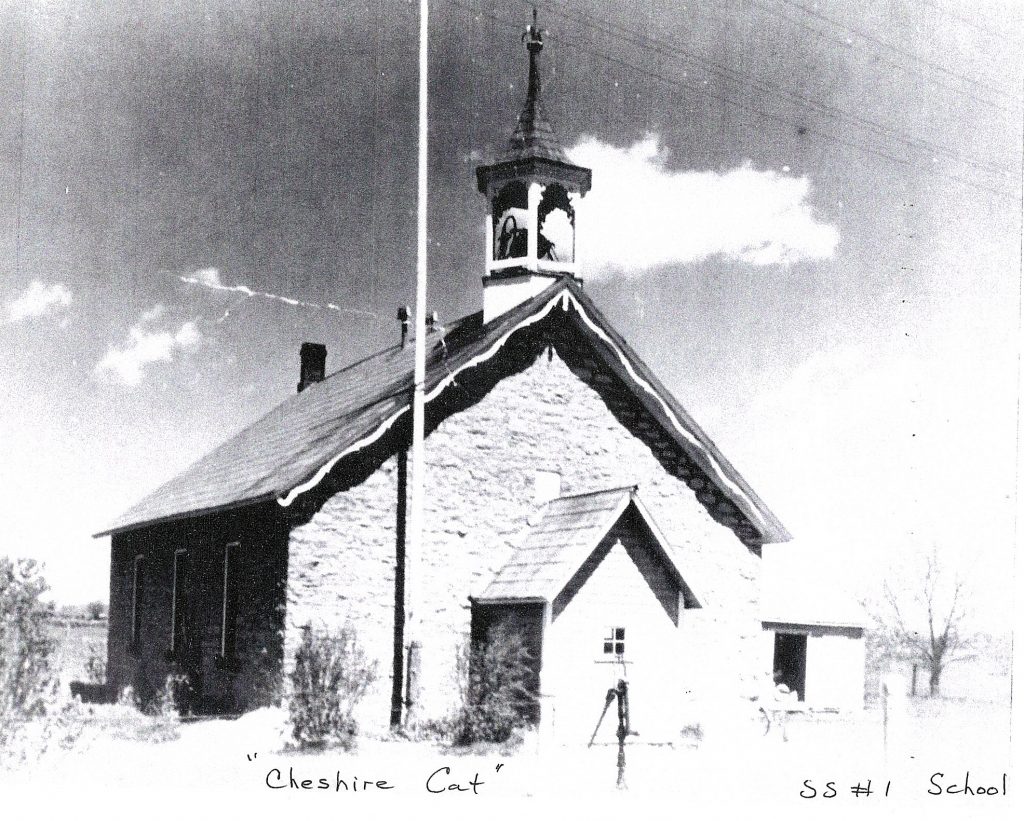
(790, 661)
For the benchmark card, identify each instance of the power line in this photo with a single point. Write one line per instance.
(810, 12)
(911, 141)
(949, 12)
(708, 11)
(870, 149)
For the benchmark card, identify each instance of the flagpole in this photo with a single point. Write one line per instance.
(414, 552)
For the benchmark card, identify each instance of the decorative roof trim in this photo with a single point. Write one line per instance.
(564, 299)
(679, 427)
(319, 476)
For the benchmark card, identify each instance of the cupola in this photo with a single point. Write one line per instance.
(532, 193)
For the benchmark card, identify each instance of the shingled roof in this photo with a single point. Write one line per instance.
(534, 137)
(570, 529)
(292, 448)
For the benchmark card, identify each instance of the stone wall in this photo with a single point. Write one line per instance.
(479, 493)
(341, 573)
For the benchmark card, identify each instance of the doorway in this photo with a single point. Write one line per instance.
(790, 661)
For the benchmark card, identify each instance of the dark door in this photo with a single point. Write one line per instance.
(790, 662)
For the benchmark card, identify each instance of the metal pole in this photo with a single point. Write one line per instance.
(414, 553)
(623, 731)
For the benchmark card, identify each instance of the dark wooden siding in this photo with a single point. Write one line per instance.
(252, 675)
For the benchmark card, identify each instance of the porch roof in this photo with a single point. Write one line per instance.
(570, 529)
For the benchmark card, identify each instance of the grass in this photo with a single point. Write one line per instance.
(948, 735)
(966, 728)
(76, 640)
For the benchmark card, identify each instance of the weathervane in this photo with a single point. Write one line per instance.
(534, 39)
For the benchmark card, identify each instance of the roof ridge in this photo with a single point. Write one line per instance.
(451, 324)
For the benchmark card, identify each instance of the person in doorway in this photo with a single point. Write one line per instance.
(777, 698)
(783, 693)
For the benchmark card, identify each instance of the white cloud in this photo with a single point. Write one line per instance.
(640, 214)
(128, 363)
(207, 276)
(38, 299)
(153, 314)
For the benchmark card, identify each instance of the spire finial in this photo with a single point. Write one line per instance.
(534, 38)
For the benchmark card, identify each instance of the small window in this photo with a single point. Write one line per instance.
(137, 574)
(178, 601)
(615, 641)
(227, 620)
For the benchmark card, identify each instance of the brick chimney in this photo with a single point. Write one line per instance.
(312, 364)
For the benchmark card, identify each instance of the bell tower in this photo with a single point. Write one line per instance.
(532, 192)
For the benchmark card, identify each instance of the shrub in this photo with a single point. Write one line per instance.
(267, 684)
(159, 722)
(177, 695)
(164, 710)
(499, 698)
(26, 677)
(330, 678)
(96, 663)
(128, 698)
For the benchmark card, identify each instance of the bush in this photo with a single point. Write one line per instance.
(499, 697)
(26, 677)
(165, 711)
(330, 678)
(96, 663)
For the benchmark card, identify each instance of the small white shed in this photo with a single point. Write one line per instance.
(814, 636)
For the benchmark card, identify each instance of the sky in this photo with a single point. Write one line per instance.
(806, 217)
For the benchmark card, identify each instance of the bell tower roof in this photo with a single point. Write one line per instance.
(534, 148)
(534, 136)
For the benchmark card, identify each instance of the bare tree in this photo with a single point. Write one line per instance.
(925, 615)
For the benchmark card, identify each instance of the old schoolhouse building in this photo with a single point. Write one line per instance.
(568, 495)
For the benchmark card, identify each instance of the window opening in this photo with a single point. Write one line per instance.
(178, 601)
(227, 621)
(137, 572)
(615, 641)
